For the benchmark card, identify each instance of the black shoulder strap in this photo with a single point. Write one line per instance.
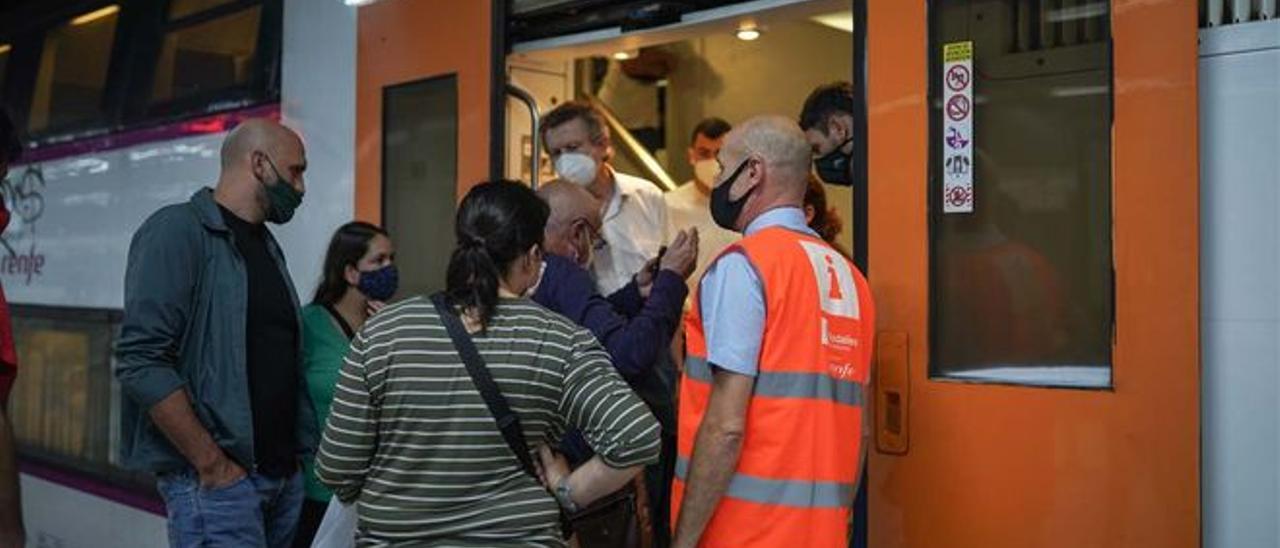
(508, 422)
(342, 322)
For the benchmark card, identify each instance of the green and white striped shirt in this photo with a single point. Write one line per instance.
(411, 440)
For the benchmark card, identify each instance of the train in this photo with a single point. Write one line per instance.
(1065, 209)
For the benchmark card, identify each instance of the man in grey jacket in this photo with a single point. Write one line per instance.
(210, 347)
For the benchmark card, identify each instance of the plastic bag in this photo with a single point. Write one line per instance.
(338, 527)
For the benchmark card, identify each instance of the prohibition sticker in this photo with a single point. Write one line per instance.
(958, 108)
(958, 77)
(957, 131)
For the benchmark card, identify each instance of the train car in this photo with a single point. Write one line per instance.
(1065, 210)
(126, 105)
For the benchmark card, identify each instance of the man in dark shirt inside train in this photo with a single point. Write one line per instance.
(635, 324)
(209, 351)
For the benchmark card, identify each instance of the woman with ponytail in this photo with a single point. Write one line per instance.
(411, 441)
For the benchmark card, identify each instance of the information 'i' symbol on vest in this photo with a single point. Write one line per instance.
(834, 293)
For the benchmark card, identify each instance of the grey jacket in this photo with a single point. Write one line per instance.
(185, 306)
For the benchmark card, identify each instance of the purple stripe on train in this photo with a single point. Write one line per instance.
(214, 123)
(86, 483)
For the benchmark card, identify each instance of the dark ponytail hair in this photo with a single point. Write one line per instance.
(497, 223)
(349, 244)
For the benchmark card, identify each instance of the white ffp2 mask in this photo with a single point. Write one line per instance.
(577, 168)
(706, 171)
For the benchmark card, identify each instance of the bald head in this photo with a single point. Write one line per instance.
(574, 223)
(780, 143)
(257, 154)
(775, 161)
(568, 202)
(256, 134)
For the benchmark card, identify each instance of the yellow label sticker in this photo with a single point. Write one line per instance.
(957, 51)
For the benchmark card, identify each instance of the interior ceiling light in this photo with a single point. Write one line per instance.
(842, 20)
(4, 48)
(626, 55)
(748, 33)
(95, 15)
(358, 2)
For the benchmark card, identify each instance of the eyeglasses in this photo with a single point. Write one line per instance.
(598, 243)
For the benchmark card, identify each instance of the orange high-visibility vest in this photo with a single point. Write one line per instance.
(794, 483)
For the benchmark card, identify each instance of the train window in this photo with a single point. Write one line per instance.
(1020, 192)
(73, 71)
(213, 55)
(420, 174)
(62, 402)
(182, 8)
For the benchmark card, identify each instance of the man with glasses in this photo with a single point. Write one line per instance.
(634, 324)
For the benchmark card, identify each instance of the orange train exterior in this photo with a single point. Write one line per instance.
(795, 480)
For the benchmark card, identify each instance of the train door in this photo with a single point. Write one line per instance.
(426, 111)
(1033, 254)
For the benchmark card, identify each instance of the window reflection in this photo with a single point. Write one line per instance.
(73, 71)
(182, 8)
(208, 57)
(1022, 286)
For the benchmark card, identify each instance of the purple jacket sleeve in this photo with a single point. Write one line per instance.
(634, 343)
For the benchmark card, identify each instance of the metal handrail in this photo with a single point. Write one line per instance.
(535, 118)
(632, 147)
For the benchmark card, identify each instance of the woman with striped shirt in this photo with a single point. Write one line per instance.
(409, 438)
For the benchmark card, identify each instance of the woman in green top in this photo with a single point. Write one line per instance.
(359, 277)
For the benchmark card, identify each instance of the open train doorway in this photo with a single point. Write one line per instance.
(656, 86)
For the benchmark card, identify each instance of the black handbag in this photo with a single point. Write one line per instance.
(616, 520)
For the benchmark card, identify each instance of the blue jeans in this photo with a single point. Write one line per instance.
(253, 511)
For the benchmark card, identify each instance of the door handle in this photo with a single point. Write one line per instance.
(893, 392)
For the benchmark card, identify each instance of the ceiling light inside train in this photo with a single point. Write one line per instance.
(626, 55)
(95, 15)
(358, 3)
(748, 33)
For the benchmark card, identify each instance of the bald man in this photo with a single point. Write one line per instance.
(779, 347)
(209, 356)
(635, 324)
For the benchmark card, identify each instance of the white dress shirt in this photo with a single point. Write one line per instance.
(688, 207)
(635, 226)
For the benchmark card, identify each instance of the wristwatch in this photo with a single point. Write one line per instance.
(564, 496)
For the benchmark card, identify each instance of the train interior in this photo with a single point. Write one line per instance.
(656, 86)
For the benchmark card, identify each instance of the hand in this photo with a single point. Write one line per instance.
(374, 307)
(221, 473)
(682, 254)
(644, 278)
(552, 467)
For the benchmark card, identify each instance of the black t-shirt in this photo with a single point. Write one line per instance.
(271, 352)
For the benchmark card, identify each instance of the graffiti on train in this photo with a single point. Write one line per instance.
(23, 198)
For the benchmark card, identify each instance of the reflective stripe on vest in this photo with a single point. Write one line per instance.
(794, 493)
(816, 386)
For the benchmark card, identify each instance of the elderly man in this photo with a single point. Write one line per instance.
(771, 404)
(634, 213)
(634, 329)
(209, 351)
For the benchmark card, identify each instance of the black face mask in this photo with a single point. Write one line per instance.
(724, 211)
(833, 167)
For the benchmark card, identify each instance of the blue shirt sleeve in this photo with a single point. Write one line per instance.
(732, 301)
(634, 343)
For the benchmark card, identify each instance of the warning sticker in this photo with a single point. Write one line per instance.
(957, 127)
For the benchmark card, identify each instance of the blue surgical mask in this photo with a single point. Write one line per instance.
(380, 284)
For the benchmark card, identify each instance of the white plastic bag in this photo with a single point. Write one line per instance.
(338, 528)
